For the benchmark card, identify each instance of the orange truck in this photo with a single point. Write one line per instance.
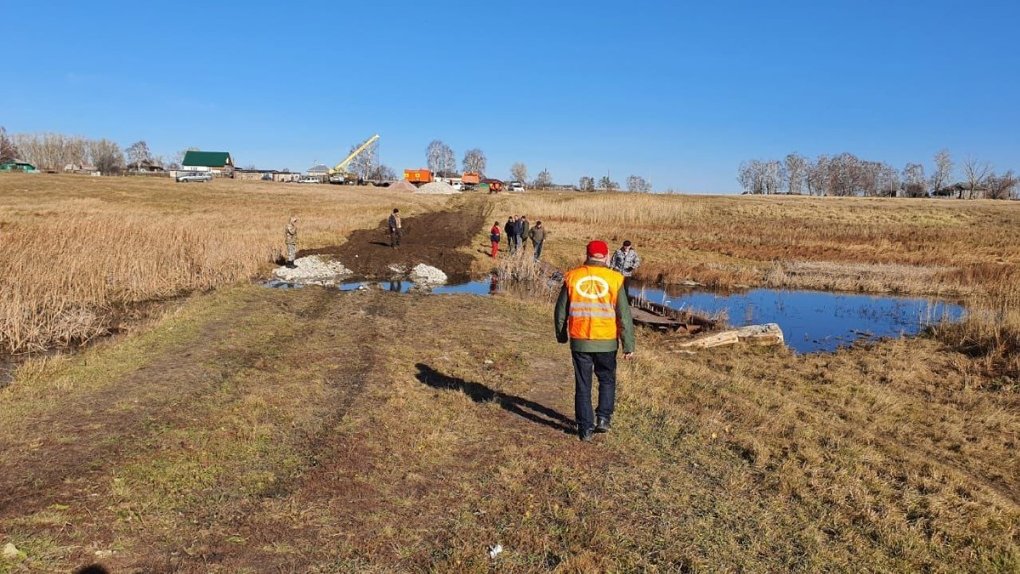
(471, 178)
(418, 176)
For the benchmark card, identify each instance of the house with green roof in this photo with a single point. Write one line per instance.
(17, 165)
(218, 162)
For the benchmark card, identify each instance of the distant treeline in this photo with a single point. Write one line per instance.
(848, 175)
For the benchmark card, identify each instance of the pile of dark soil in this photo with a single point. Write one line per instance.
(431, 238)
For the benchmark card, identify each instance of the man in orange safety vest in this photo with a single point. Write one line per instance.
(593, 314)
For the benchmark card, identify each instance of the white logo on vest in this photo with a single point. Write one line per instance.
(592, 287)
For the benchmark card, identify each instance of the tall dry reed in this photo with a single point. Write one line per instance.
(75, 251)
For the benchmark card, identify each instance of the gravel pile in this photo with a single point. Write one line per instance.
(312, 270)
(437, 188)
(426, 274)
(404, 185)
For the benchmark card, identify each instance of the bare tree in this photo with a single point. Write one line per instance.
(888, 180)
(943, 175)
(760, 177)
(586, 183)
(51, 151)
(8, 151)
(638, 184)
(975, 173)
(474, 161)
(366, 162)
(440, 159)
(818, 176)
(1001, 187)
(519, 172)
(607, 184)
(106, 156)
(543, 180)
(914, 180)
(796, 172)
(382, 173)
(749, 176)
(137, 153)
(845, 175)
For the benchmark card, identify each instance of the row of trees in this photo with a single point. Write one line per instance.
(519, 172)
(847, 175)
(441, 160)
(49, 151)
(635, 183)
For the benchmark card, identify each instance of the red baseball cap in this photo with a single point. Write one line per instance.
(596, 248)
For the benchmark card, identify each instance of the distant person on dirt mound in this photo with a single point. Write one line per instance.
(511, 231)
(494, 238)
(537, 236)
(395, 229)
(626, 260)
(593, 314)
(290, 238)
(523, 227)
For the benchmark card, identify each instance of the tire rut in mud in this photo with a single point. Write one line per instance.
(91, 433)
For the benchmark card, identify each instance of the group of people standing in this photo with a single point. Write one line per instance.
(518, 231)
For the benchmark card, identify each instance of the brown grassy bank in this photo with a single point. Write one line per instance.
(74, 249)
(966, 249)
(915, 246)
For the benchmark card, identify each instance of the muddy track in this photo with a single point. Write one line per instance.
(89, 434)
(435, 238)
(324, 453)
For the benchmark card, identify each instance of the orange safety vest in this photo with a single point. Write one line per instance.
(592, 292)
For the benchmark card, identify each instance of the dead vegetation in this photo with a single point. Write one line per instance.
(79, 250)
(945, 248)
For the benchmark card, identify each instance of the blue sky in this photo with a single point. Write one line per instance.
(677, 92)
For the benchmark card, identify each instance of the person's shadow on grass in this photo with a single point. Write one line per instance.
(480, 393)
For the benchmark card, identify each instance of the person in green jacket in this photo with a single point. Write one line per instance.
(537, 236)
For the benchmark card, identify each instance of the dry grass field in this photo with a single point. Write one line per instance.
(78, 251)
(246, 429)
(959, 249)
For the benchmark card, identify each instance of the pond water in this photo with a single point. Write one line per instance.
(814, 321)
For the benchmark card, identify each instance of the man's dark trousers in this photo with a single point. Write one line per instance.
(604, 366)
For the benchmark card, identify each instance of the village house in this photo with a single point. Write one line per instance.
(22, 166)
(218, 162)
(145, 166)
(319, 171)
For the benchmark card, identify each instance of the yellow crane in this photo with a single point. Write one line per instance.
(339, 174)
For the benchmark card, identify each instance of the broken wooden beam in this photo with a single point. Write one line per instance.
(764, 335)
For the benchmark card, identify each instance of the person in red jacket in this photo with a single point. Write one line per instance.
(494, 238)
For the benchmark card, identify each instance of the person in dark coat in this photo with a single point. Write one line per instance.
(511, 231)
(523, 227)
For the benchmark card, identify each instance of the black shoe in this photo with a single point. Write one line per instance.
(585, 435)
(602, 424)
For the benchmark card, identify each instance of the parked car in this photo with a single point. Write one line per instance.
(516, 186)
(309, 179)
(188, 176)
